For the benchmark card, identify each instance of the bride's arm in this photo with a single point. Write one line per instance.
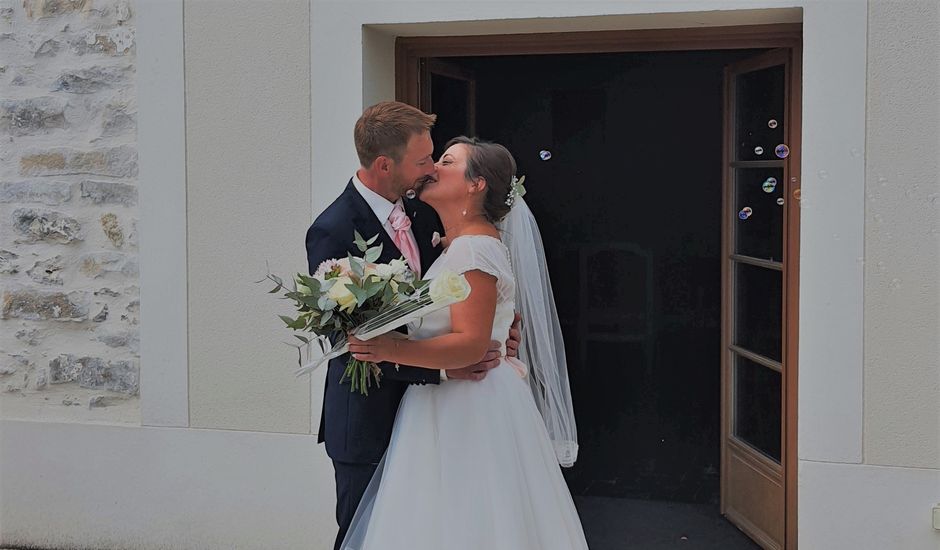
(469, 339)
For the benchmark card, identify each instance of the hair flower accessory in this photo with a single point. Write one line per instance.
(516, 189)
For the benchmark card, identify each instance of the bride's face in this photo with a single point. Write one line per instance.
(452, 187)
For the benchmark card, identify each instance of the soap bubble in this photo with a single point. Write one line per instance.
(745, 213)
(769, 185)
(758, 150)
(411, 193)
(772, 123)
(780, 201)
(545, 155)
(782, 151)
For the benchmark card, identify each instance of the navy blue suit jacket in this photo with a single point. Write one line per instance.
(357, 428)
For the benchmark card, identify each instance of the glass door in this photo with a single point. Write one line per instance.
(760, 189)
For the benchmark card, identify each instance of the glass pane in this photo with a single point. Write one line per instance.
(757, 413)
(759, 111)
(758, 301)
(758, 225)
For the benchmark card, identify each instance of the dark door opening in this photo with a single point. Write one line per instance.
(622, 154)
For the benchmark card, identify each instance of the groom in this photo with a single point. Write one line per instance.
(393, 141)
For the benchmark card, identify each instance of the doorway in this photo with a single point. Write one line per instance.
(626, 158)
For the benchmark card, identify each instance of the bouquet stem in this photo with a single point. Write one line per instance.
(361, 374)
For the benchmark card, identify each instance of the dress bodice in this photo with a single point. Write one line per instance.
(468, 253)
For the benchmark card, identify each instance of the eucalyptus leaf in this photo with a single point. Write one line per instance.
(360, 293)
(310, 282)
(357, 266)
(359, 242)
(373, 253)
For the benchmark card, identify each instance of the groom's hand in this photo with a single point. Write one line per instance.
(478, 371)
(515, 336)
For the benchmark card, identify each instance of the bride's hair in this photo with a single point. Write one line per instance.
(494, 163)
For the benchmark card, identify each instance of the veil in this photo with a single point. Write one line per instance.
(543, 347)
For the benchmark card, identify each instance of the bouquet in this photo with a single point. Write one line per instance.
(356, 295)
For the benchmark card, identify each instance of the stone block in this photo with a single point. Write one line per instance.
(91, 80)
(98, 264)
(35, 305)
(117, 121)
(112, 229)
(51, 193)
(37, 115)
(52, 8)
(109, 192)
(46, 225)
(129, 339)
(8, 262)
(47, 272)
(119, 162)
(96, 373)
(49, 48)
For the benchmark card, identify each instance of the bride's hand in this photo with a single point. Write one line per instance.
(376, 350)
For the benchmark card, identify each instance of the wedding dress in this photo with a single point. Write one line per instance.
(470, 465)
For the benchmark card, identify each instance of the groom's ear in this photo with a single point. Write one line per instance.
(382, 164)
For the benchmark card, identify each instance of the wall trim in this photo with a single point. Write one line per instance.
(164, 365)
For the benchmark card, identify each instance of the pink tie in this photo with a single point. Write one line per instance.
(404, 240)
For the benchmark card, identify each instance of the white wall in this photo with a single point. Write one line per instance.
(902, 236)
(248, 203)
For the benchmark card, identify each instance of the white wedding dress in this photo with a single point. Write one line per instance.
(470, 465)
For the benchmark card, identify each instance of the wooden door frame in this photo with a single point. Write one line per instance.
(412, 51)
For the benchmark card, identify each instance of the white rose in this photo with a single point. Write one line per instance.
(398, 266)
(384, 271)
(449, 286)
(341, 295)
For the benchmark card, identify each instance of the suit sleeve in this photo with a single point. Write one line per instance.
(322, 246)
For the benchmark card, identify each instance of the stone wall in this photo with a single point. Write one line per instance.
(68, 210)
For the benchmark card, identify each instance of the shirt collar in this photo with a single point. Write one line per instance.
(380, 206)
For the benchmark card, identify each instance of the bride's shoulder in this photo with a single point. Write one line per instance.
(476, 240)
(479, 247)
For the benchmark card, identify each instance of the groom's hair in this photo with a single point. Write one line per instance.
(385, 128)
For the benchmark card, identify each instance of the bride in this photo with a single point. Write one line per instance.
(475, 465)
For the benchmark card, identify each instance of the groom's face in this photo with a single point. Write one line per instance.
(416, 165)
